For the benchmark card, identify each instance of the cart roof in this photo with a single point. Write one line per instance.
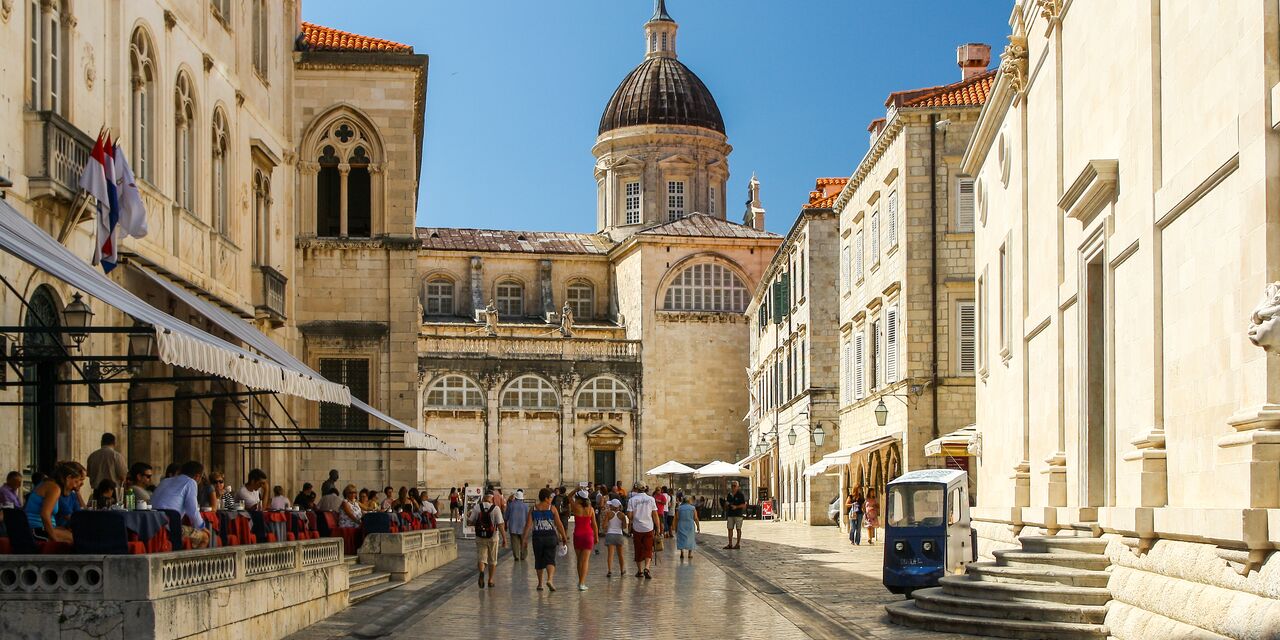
(938, 476)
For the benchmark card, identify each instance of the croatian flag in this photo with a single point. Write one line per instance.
(120, 212)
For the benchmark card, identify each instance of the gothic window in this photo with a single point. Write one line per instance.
(218, 175)
(354, 373)
(675, 200)
(346, 169)
(706, 287)
(455, 392)
(359, 219)
(439, 296)
(328, 194)
(529, 392)
(184, 143)
(261, 217)
(260, 41)
(604, 393)
(581, 297)
(633, 203)
(510, 299)
(142, 69)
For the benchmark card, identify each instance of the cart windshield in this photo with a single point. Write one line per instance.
(916, 505)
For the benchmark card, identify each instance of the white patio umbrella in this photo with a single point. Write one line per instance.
(671, 467)
(719, 469)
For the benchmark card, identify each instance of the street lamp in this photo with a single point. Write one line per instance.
(76, 316)
(882, 413)
(141, 341)
(819, 435)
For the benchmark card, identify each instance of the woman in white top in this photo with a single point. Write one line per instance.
(351, 514)
(615, 522)
(278, 500)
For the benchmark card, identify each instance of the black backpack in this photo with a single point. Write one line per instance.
(484, 523)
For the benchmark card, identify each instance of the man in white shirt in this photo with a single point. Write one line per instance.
(487, 520)
(644, 526)
(251, 493)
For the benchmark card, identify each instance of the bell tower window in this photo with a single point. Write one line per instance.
(675, 200)
(328, 195)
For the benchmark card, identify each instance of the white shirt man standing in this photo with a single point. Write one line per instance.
(644, 527)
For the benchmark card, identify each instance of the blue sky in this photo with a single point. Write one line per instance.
(516, 87)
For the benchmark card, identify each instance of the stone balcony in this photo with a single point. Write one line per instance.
(60, 151)
(517, 348)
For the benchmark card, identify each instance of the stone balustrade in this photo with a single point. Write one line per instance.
(531, 348)
(410, 554)
(259, 591)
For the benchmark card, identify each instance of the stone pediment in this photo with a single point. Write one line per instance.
(677, 161)
(605, 431)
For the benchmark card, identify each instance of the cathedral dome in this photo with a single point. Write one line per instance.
(662, 91)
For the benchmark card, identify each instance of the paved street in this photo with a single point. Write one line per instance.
(788, 581)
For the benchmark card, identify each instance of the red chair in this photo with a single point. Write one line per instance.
(351, 537)
(5, 547)
(280, 520)
(24, 541)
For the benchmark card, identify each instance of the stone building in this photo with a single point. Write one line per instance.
(274, 158)
(906, 281)
(572, 357)
(795, 368)
(1127, 219)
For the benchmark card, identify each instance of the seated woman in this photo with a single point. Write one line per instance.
(216, 494)
(351, 513)
(278, 501)
(388, 502)
(371, 503)
(104, 496)
(43, 505)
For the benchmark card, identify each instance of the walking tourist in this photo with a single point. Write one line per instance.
(872, 508)
(139, 480)
(350, 514)
(251, 493)
(644, 524)
(11, 490)
(547, 534)
(853, 505)
(487, 519)
(517, 517)
(44, 503)
(661, 498)
(735, 509)
(615, 522)
(455, 504)
(107, 463)
(178, 493)
(585, 534)
(686, 525)
(331, 483)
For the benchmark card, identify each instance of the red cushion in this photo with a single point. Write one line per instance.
(5, 547)
(137, 548)
(52, 548)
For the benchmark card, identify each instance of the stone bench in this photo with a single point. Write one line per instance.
(263, 591)
(409, 554)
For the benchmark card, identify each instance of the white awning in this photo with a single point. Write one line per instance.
(719, 469)
(753, 457)
(265, 345)
(841, 458)
(962, 442)
(670, 468)
(178, 343)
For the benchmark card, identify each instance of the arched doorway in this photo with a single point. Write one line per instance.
(42, 373)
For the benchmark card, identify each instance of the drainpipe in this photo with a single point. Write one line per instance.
(933, 265)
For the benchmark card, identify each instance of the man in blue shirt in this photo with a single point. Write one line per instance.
(179, 493)
(517, 516)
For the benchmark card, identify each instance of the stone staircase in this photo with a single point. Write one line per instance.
(364, 582)
(1053, 588)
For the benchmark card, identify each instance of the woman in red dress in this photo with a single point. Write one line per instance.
(585, 535)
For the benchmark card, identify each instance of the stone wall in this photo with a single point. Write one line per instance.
(408, 555)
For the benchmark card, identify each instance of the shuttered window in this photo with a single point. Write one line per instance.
(846, 382)
(844, 268)
(859, 367)
(891, 346)
(891, 219)
(967, 336)
(858, 257)
(875, 238)
(964, 205)
(877, 355)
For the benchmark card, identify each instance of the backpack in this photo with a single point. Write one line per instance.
(484, 523)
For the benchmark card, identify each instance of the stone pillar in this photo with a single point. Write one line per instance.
(344, 170)
(1252, 456)
(477, 284)
(544, 281)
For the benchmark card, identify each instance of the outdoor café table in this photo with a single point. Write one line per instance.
(270, 523)
(378, 522)
(236, 523)
(107, 531)
(299, 523)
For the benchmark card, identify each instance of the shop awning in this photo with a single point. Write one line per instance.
(266, 346)
(753, 457)
(178, 343)
(841, 458)
(959, 443)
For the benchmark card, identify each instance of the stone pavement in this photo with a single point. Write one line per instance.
(789, 581)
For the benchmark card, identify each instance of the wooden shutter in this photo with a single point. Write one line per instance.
(891, 346)
(965, 205)
(846, 381)
(875, 237)
(967, 337)
(891, 211)
(844, 268)
(859, 366)
(859, 257)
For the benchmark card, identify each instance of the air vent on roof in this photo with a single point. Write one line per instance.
(520, 237)
(435, 234)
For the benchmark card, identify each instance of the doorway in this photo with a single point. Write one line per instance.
(604, 466)
(1097, 451)
(40, 410)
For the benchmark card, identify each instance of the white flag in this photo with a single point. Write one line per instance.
(133, 214)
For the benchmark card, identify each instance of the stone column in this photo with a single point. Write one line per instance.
(344, 170)
(477, 284)
(544, 280)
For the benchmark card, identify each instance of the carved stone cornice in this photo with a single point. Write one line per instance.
(1014, 63)
(1051, 10)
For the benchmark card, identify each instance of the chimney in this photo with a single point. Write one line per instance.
(973, 59)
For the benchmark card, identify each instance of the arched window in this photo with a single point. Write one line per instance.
(439, 296)
(218, 175)
(261, 217)
(706, 287)
(345, 165)
(604, 393)
(581, 297)
(529, 392)
(142, 70)
(184, 143)
(455, 392)
(509, 296)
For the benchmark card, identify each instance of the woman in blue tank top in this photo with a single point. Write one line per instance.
(42, 505)
(547, 534)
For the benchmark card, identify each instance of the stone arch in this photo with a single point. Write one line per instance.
(343, 156)
(706, 257)
(524, 391)
(625, 389)
(443, 384)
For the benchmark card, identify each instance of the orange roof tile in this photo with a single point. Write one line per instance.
(966, 93)
(320, 38)
(825, 193)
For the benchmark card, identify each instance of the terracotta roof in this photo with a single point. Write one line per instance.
(319, 38)
(498, 240)
(875, 124)
(704, 226)
(966, 93)
(825, 193)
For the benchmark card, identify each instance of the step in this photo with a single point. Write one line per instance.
(970, 587)
(908, 614)
(359, 582)
(350, 560)
(364, 593)
(939, 600)
(987, 571)
(1086, 561)
(1063, 544)
(357, 570)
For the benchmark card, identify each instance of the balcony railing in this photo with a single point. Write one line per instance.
(532, 348)
(272, 300)
(61, 153)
